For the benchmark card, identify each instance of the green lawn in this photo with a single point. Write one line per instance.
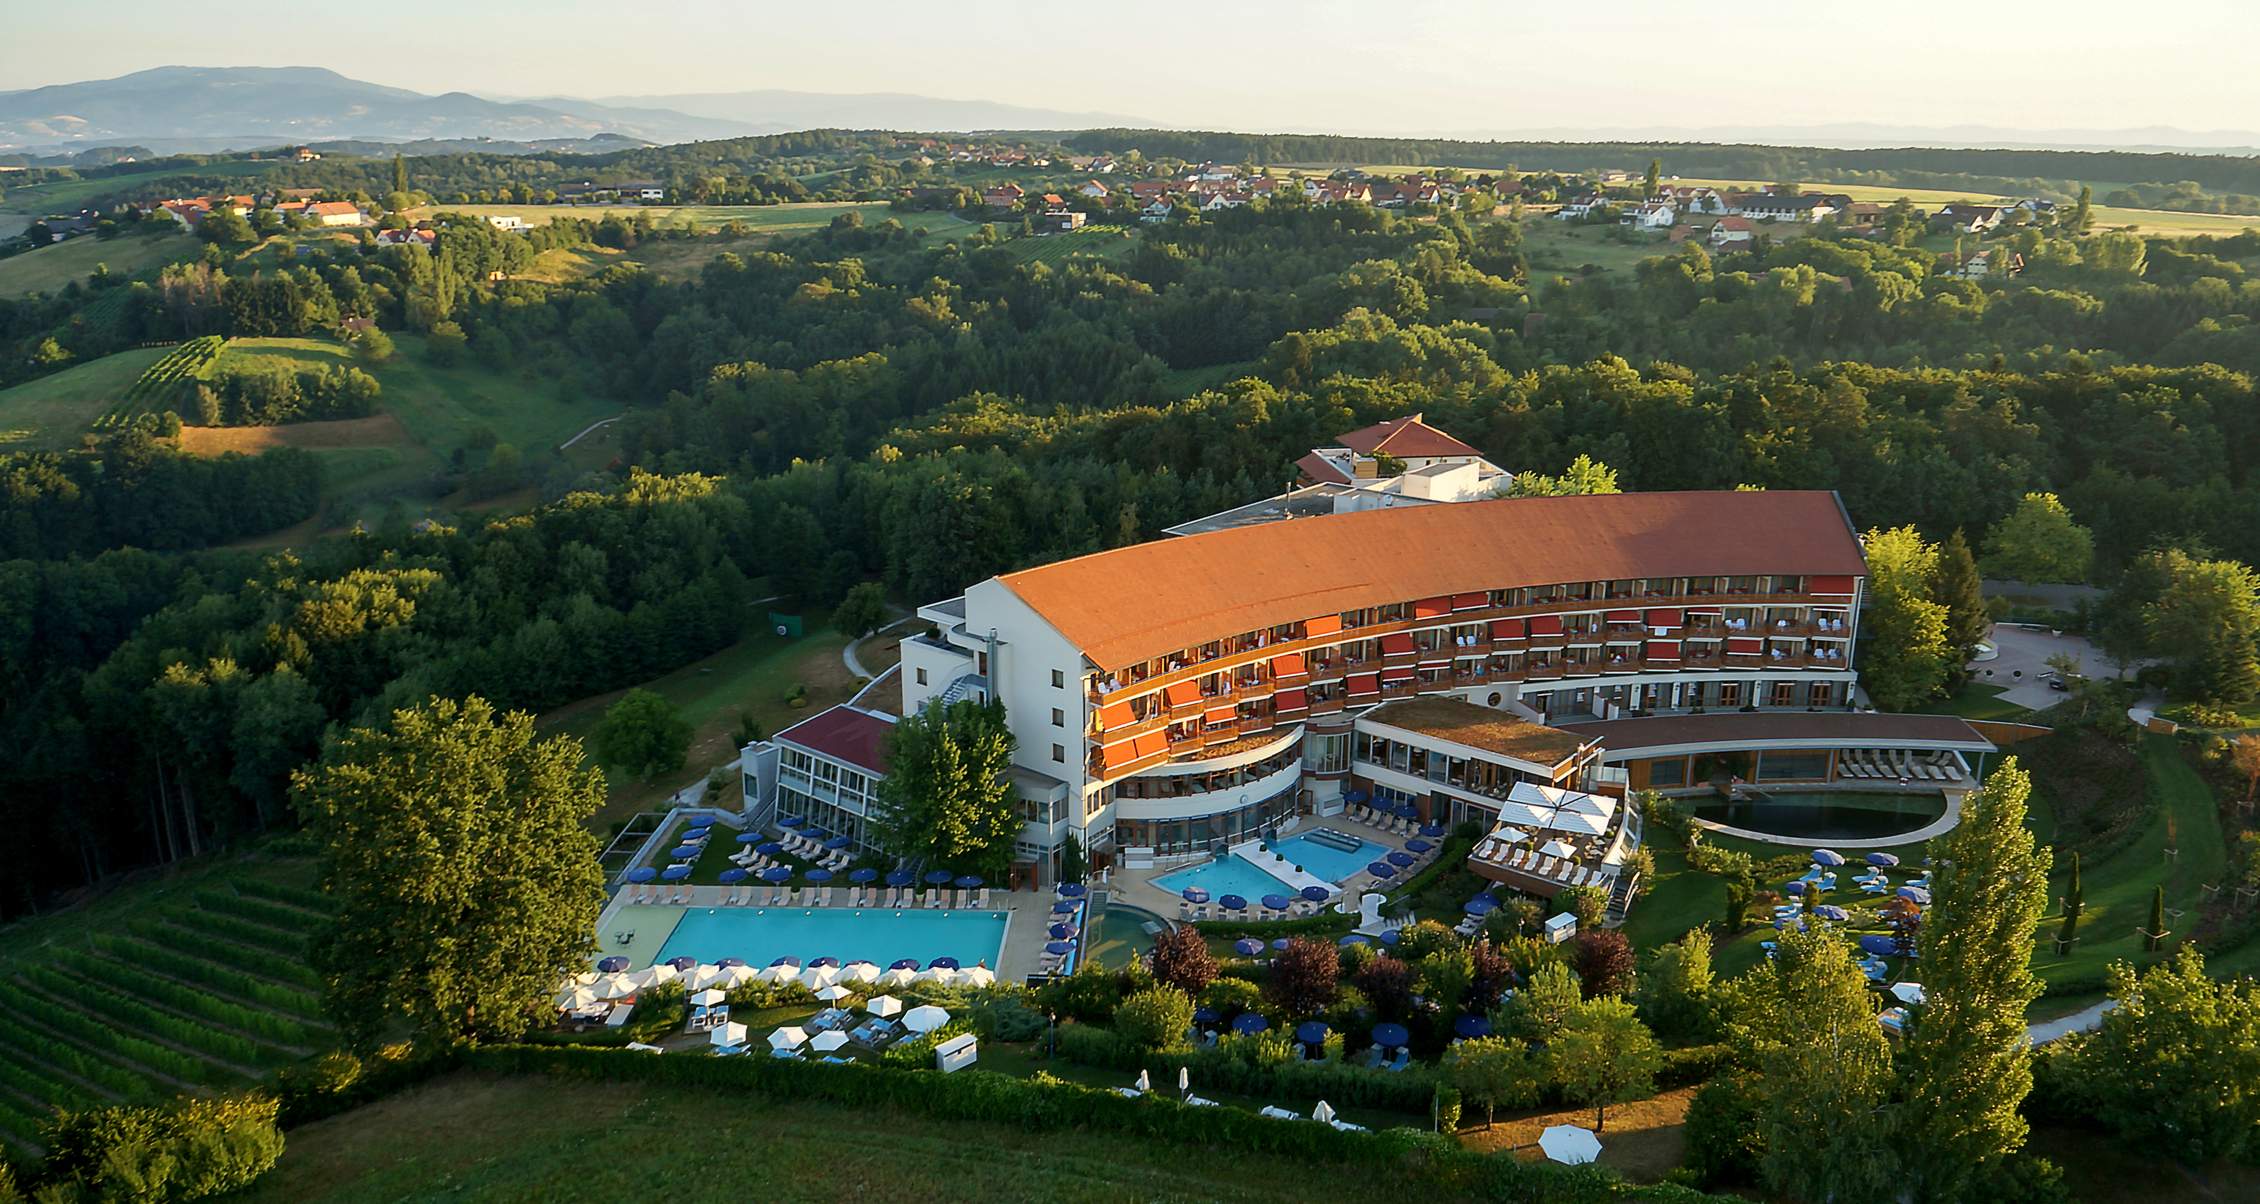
(478, 1138)
(49, 268)
(1184, 382)
(53, 411)
(1979, 701)
(1105, 242)
(1558, 247)
(773, 218)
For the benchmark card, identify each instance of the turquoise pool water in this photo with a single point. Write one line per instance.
(762, 935)
(1334, 865)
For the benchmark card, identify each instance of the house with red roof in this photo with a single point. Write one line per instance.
(824, 771)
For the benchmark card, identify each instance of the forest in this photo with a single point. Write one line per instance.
(855, 405)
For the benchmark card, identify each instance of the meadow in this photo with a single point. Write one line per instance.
(770, 218)
(50, 268)
(54, 411)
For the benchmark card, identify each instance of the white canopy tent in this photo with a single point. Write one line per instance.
(778, 975)
(859, 972)
(893, 979)
(977, 976)
(816, 978)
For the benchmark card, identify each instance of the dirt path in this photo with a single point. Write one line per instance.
(1643, 1140)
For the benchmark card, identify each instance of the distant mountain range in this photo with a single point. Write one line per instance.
(173, 109)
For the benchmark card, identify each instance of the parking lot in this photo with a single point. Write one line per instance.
(2022, 664)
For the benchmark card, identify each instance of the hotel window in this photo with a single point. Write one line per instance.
(1059, 754)
(1823, 694)
(1664, 772)
(921, 675)
(1059, 680)
(1059, 717)
(1059, 808)
(1784, 694)
(1730, 693)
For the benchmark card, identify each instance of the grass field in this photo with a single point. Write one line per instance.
(50, 268)
(63, 196)
(53, 411)
(777, 219)
(189, 981)
(751, 676)
(477, 1138)
(1104, 242)
(1556, 247)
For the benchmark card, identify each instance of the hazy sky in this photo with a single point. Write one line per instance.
(1354, 65)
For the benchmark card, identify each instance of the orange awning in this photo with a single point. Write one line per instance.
(1288, 700)
(1288, 665)
(1118, 756)
(1151, 743)
(1664, 617)
(1428, 608)
(1663, 650)
(1322, 625)
(1365, 683)
(1396, 645)
(1506, 629)
(1470, 601)
(1831, 585)
(1743, 644)
(1546, 625)
(1116, 715)
(1622, 616)
(1223, 714)
(1393, 676)
(1184, 693)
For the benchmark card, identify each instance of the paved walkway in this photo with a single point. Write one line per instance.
(2085, 1020)
(2022, 665)
(591, 428)
(853, 662)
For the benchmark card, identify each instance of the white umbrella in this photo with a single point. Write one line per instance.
(586, 978)
(778, 975)
(898, 978)
(726, 1034)
(577, 999)
(816, 978)
(1557, 848)
(883, 1006)
(936, 974)
(652, 976)
(834, 993)
(1908, 992)
(1145, 1081)
(617, 986)
(1324, 1112)
(978, 976)
(731, 978)
(1572, 821)
(1570, 1144)
(925, 1018)
(1184, 1078)
(792, 1037)
(826, 1042)
(859, 972)
(702, 977)
(706, 998)
(1510, 834)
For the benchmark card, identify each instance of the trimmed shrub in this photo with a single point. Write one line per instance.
(193, 1150)
(1155, 1018)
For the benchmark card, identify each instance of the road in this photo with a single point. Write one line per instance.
(2084, 1020)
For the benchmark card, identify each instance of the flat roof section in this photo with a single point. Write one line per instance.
(1480, 728)
(1663, 734)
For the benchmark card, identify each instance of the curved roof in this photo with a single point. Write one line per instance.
(1148, 599)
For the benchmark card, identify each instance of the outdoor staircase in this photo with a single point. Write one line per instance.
(1621, 894)
(966, 686)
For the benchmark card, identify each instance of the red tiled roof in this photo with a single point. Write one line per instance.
(845, 733)
(1405, 437)
(1146, 600)
(1317, 469)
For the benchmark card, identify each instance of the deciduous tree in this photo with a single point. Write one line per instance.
(1603, 1055)
(643, 734)
(2175, 1067)
(1182, 959)
(2038, 541)
(1907, 655)
(1803, 1019)
(947, 798)
(1491, 1072)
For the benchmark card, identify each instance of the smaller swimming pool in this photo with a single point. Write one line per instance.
(1225, 876)
(1827, 814)
(1323, 860)
(876, 935)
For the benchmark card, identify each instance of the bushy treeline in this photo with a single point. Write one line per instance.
(265, 392)
(132, 490)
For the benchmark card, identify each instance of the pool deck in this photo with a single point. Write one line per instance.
(1136, 887)
(650, 924)
(1937, 827)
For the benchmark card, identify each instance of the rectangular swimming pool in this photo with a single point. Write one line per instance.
(761, 935)
(1326, 861)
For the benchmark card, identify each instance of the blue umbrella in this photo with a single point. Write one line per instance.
(777, 873)
(938, 877)
(1281, 944)
(699, 831)
(683, 963)
(1879, 944)
(1249, 1022)
(907, 963)
(839, 842)
(612, 965)
(967, 881)
(1073, 890)
(1829, 857)
(866, 874)
(899, 877)
(686, 852)
(944, 963)
(1058, 947)
(1317, 894)
(1881, 860)
(769, 848)
(1914, 894)
(1065, 907)
(731, 961)
(1247, 946)
(642, 873)
(1277, 902)
(1382, 869)
(818, 875)
(1432, 831)
(1418, 845)
(1407, 811)
(1830, 911)
(1401, 858)
(791, 821)
(1194, 894)
(1311, 1032)
(1390, 1036)
(1481, 905)
(675, 873)
(751, 838)
(787, 960)
(825, 961)
(1206, 1015)
(1060, 932)
(1795, 888)
(1390, 937)
(1232, 903)
(733, 875)
(1353, 939)
(1472, 1025)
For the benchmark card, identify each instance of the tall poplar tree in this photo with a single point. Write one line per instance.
(1907, 655)
(1966, 1064)
(1959, 589)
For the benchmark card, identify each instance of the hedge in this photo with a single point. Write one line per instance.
(1408, 1091)
(1323, 924)
(1430, 1163)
